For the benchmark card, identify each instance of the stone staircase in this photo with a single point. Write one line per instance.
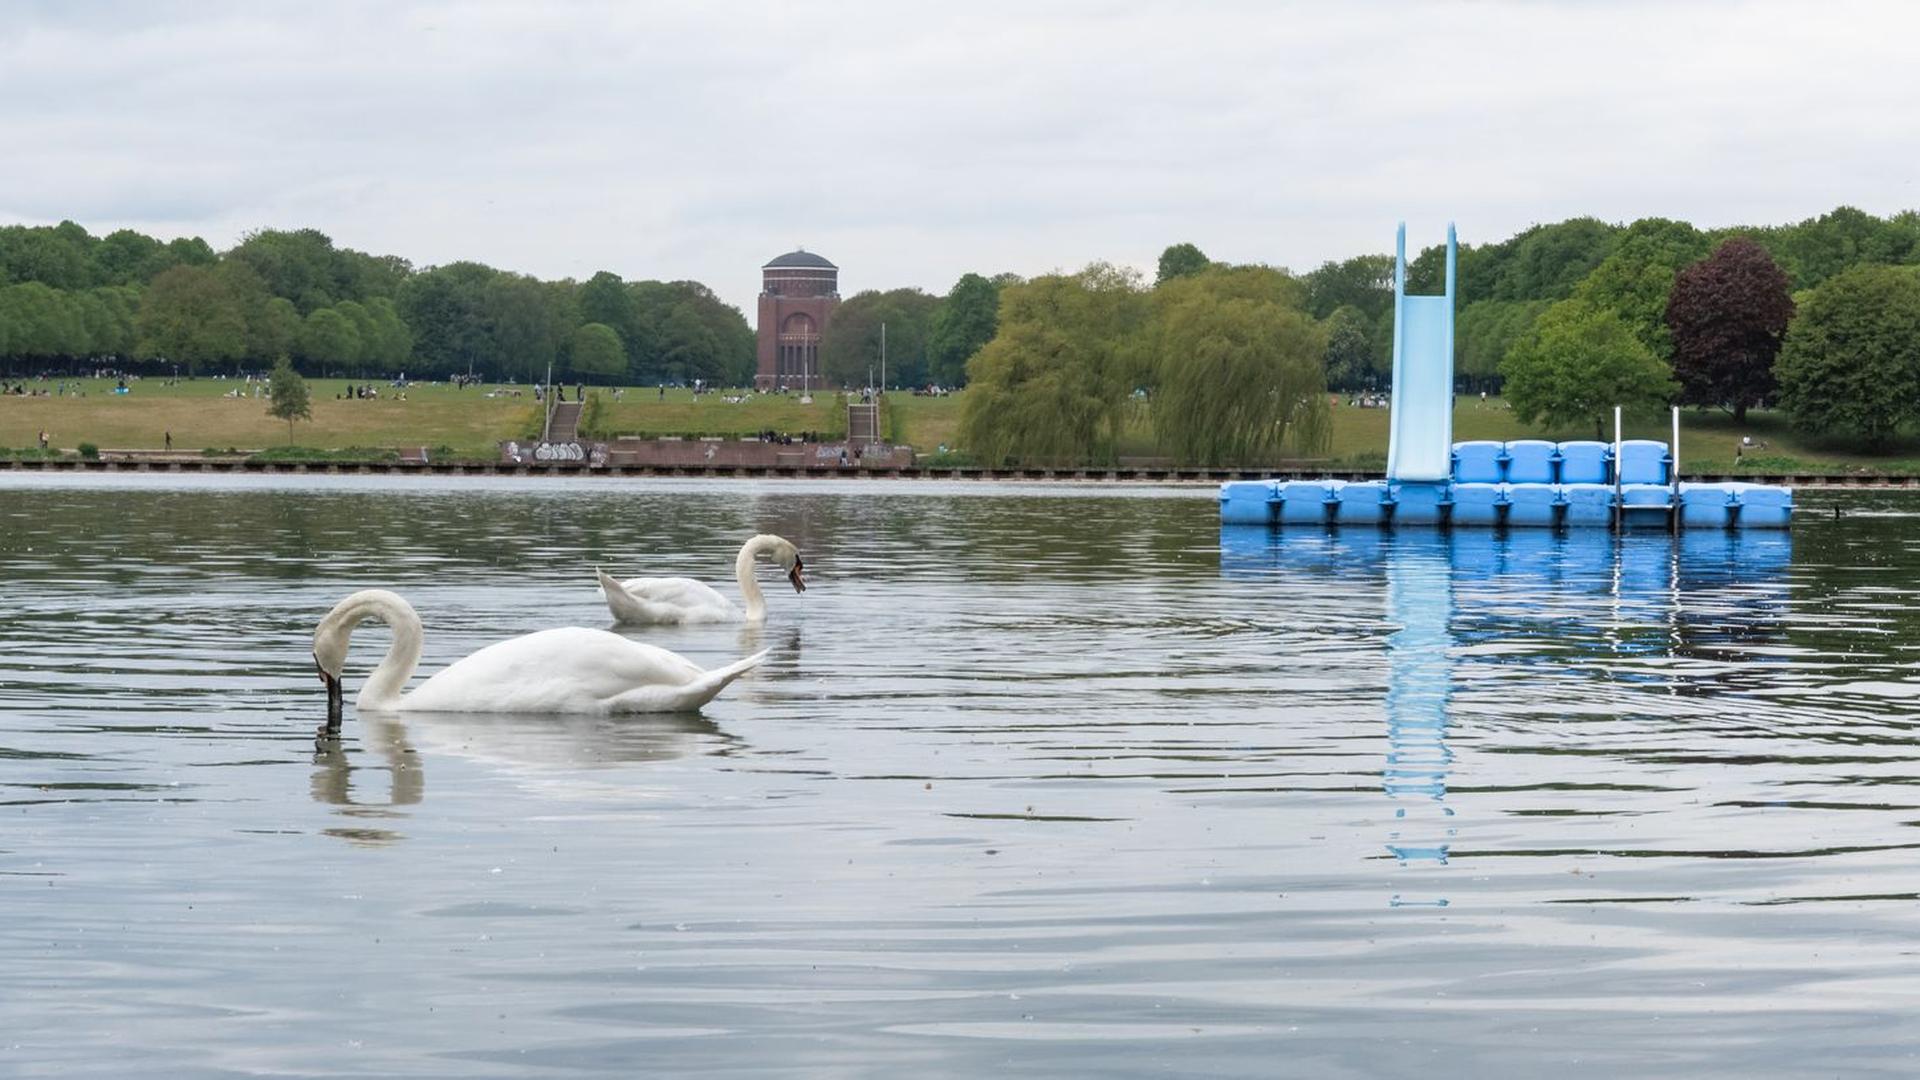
(564, 426)
(863, 423)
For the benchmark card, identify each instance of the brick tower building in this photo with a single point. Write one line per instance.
(798, 292)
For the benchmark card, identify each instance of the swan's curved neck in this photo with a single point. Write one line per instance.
(383, 687)
(743, 572)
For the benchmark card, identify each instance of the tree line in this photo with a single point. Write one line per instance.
(68, 298)
(1566, 319)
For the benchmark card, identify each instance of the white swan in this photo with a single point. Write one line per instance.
(684, 600)
(567, 670)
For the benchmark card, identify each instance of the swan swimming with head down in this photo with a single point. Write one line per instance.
(565, 670)
(684, 600)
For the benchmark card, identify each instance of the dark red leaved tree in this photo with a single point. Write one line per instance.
(1727, 314)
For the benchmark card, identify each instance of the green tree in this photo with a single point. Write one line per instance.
(274, 328)
(111, 314)
(126, 257)
(447, 308)
(287, 396)
(190, 315)
(1727, 315)
(1544, 262)
(525, 325)
(1364, 282)
(1486, 330)
(1241, 367)
(390, 345)
(59, 257)
(689, 349)
(964, 323)
(1635, 280)
(595, 352)
(365, 333)
(605, 299)
(302, 265)
(1851, 360)
(191, 251)
(1578, 362)
(1819, 248)
(850, 350)
(1350, 351)
(1180, 260)
(329, 342)
(1053, 383)
(39, 321)
(732, 340)
(297, 264)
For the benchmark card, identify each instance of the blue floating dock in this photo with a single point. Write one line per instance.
(1481, 483)
(1532, 505)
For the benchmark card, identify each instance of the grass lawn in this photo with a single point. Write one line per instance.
(200, 417)
(471, 424)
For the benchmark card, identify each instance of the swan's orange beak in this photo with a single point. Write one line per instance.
(794, 575)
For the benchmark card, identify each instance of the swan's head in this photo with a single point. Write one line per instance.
(329, 658)
(788, 556)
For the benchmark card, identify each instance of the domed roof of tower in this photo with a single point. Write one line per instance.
(799, 257)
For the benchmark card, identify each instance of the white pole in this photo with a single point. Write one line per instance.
(883, 358)
(1619, 512)
(1673, 500)
(546, 433)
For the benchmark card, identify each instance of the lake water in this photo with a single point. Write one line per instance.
(1036, 781)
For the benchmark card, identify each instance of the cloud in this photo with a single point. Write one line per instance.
(912, 143)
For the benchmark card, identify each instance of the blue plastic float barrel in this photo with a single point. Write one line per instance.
(1247, 502)
(1477, 504)
(1644, 461)
(1643, 505)
(1419, 504)
(1762, 506)
(1532, 505)
(1479, 462)
(1531, 461)
(1585, 462)
(1304, 502)
(1586, 504)
(1363, 503)
(1706, 506)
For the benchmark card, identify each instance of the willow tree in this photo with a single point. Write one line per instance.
(1053, 384)
(1240, 367)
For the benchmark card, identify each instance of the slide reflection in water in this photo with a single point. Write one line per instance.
(1477, 608)
(1419, 684)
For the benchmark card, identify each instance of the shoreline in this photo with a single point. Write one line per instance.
(180, 464)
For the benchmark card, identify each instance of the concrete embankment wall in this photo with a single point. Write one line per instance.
(810, 470)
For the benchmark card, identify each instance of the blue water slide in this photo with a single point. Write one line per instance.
(1420, 432)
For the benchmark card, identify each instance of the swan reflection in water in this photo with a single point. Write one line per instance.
(542, 749)
(333, 779)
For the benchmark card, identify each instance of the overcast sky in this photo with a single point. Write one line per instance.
(912, 142)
